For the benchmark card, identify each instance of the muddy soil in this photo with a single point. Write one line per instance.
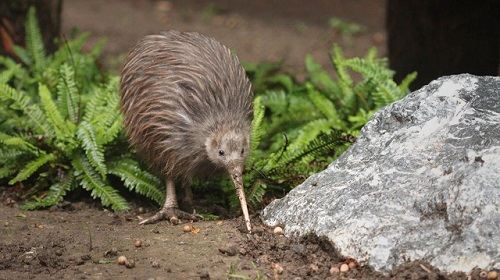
(79, 241)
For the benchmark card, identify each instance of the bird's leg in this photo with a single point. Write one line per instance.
(170, 208)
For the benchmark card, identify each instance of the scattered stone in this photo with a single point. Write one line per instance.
(314, 268)
(174, 221)
(111, 253)
(122, 260)
(140, 210)
(344, 267)
(137, 243)
(86, 257)
(242, 251)
(277, 268)
(334, 269)
(187, 228)
(230, 250)
(483, 274)
(204, 275)
(352, 265)
(492, 275)
(130, 264)
(155, 264)
(278, 231)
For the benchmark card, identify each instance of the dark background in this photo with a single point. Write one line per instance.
(435, 38)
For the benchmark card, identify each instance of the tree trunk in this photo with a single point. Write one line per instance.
(443, 37)
(13, 16)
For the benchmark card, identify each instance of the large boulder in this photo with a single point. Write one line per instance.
(422, 182)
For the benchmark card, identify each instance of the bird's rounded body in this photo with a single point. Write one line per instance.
(177, 90)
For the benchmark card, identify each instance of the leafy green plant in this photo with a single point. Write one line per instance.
(345, 28)
(60, 127)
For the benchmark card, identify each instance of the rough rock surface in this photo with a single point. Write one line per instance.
(421, 182)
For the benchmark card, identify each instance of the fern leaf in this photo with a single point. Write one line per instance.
(325, 106)
(93, 150)
(67, 93)
(55, 195)
(91, 181)
(257, 130)
(34, 42)
(6, 171)
(22, 102)
(17, 142)
(32, 167)
(321, 79)
(62, 129)
(136, 179)
(404, 87)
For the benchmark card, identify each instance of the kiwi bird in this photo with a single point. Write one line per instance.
(187, 107)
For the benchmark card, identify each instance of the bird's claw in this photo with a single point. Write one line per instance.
(168, 213)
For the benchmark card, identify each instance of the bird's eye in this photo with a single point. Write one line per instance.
(242, 151)
(221, 152)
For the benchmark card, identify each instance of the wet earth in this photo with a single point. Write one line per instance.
(82, 241)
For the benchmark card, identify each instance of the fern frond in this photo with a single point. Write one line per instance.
(325, 106)
(404, 87)
(258, 117)
(136, 179)
(62, 129)
(32, 167)
(321, 79)
(17, 142)
(34, 41)
(55, 194)
(23, 102)
(309, 132)
(91, 181)
(6, 171)
(93, 150)
(67, 93)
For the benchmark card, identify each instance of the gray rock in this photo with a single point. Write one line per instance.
(422, 182)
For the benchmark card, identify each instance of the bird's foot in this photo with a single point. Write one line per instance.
(168, 213)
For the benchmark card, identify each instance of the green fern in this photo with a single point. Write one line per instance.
(93, 150)
(67, 102)
(91, 181)
(138, 180)
(54, 195)
(32, 167)
(34, 42)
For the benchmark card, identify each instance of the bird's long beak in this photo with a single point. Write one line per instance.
(236, 173)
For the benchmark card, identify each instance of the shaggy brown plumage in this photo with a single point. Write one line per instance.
(187, 106)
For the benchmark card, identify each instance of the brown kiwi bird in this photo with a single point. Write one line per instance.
(187, 106)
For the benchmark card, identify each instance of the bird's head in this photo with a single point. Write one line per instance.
(229, 149)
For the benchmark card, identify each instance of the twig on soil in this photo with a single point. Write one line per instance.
(426, 269)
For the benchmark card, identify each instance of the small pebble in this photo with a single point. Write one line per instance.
(334, 270)
(492, 275)
(155, 264)
(243, 251)
(137, 243)
(278, 231)
(187, 228)
(140, 210)
(174, 221)
(344, 268)
(483, 274)
(122, 260)
(277, 268)
(352, 265)
(130, 264)
(230, 250)
(314, 268)
(111, 253)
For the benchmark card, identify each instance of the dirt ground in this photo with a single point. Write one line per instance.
(81, 241)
